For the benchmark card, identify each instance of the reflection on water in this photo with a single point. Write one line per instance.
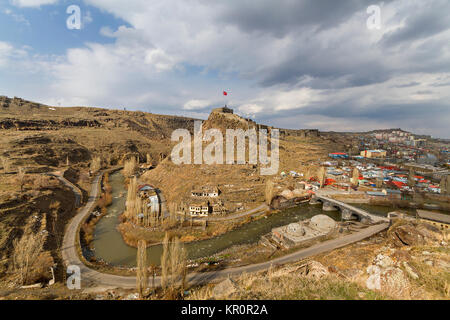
(110, 247)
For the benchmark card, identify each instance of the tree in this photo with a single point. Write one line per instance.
(141, 271)
(355, 177)
(321, 175)
(411, 181)
(269, 191)
(26, 253)
(21, 178)
(445, 185)
(132, 198)
(96, 164)
(130, 167)
(308, 174)
(149, 159)
(173, 212)
(173, 264)
(6, 164)
(379, 183)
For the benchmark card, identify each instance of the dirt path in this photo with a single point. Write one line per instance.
(93, 278)
(75, 189)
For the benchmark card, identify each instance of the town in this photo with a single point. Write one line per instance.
(224, 150)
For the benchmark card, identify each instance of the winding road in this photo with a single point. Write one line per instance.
(93, 278)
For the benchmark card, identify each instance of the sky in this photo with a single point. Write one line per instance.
(291, 64)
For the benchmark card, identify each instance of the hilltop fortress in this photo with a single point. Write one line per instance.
(226, 114)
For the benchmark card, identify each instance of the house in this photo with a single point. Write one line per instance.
(374, 153)
(338, 155)
(218, 208)
(200, 209)
(149, 194)
(146, 190)
(206, 191)
(434, 189)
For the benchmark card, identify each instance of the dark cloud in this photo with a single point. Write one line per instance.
(446, 84)
(407, 85)
(391, 112)
(421, 23)
(424, 92)
(283, 16)
(334, 68)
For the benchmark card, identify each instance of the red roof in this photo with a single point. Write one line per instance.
(329, 181)
(388, 167)
(339, 153)
(419, 177)
(398, 184)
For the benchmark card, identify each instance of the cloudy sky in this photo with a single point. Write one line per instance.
(292, 64)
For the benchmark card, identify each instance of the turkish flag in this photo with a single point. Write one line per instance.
(225, 93)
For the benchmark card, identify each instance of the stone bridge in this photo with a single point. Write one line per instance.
(348, 212)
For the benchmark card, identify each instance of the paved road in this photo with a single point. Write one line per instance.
(92, 277)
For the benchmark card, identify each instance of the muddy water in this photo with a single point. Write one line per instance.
(109, 246)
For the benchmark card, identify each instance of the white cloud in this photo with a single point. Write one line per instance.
(17, 17)
(32, 3)
(5, 52)
(196, 104)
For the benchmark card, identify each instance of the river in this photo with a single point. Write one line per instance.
(109, 246)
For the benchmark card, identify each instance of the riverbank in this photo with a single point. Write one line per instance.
(114, 255)
(187, 231)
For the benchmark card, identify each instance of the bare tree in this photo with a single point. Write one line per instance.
(6, 164)
(379, 183)
(321, 175)
(411, 181)
(96, 164)
(21, 178)
(165, 265)
(307, 174)
(355, 177)
(26, 253)
(130, 167)
(445, 185)
(269, 191)
(132, 199)
(173, 264)
(172, 212)
(141, 272)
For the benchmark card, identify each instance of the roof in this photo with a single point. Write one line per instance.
(398, 184)
(375, 193)
(429, 215)
(145, 187)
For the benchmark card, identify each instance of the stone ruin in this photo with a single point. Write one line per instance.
(297, 233)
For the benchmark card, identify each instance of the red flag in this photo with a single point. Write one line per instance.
(225, 93)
